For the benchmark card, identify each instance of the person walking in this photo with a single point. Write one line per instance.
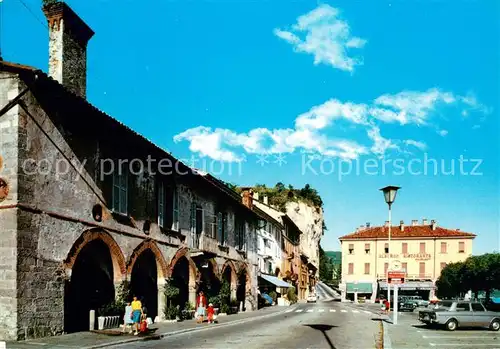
(201, 306)
(210, 313)
(136, 314)
(127, 318)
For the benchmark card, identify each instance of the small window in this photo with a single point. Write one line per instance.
(405, 267)
(351, 269)
(422, 270)
(175, 208)
(351, 248)
(367, 268)
(443, 265)
(477, 307)
(461, 247)
(422, 247)
(405, 247)
(386, 267)
(443, 247)
(386, 248)
(161, 204)
(463, 307)
(367, 248)
(120, 191)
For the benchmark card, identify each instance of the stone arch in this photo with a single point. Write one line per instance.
(183, 252)
(234, 277)
(149, 244)
(117, 257)
(244, 269)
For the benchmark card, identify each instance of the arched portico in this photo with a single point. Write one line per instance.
(183, 273)
(228, 273)
(93, 265)
(244, 287)
(147, 270)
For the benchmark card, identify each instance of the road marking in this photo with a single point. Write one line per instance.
(355, 311)
(466, 345)
(344, 311)
(458, 337)
(332, 310)
(288, 311)
(321, 310)
(299, 310)
(366, 312)
(310, 310)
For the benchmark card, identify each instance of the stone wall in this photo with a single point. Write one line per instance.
(54, 165)
(9, 89)
(309, 219)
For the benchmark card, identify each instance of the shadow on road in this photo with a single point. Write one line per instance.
(381, 319)
(323, 329)
(442, 328)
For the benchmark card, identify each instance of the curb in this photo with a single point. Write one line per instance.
(178, 332)
(387, 340)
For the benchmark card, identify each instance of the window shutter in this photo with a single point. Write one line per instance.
(219, 227)
(193, 216)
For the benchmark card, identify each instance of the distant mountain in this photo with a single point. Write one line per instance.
(335, 257)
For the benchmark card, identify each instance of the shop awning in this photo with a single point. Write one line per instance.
(275, 281)
(410, 286)
(360, 287)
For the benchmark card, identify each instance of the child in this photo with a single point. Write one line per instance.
(127, 318)
(210, 313)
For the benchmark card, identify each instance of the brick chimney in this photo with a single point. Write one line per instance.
(425, 221)
(265, 200)
(402, 225)
(368, 224)
(247, 200)
(68, 38)
(414, 222)
(433, 224)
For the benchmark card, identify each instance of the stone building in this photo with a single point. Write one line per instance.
(88, 206)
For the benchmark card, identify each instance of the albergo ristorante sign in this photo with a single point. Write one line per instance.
(415, 256)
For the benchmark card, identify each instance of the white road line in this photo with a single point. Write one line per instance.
(299, 310)
(355, 311)
(288, 311)
(310, 310)
(459, 337)
(332, 310)
(321, 310)
(344, 311)
(367, 312)
(496, 345)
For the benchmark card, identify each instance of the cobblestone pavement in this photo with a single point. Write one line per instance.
(323, 325)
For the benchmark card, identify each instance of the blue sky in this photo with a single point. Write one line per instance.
(236, 83)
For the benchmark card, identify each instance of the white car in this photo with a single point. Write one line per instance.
(312, 298)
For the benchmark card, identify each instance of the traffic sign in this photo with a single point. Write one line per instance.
(396, 277)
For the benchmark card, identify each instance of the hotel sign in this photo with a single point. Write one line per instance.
(415, 256)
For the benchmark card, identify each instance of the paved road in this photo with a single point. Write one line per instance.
(320, 325)
(411, 334)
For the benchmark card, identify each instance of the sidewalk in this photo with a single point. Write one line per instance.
(403, 335)
(88, 340)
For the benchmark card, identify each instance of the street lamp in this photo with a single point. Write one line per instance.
(389, 196)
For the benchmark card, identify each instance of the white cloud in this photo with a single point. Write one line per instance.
(416, 144)
(314, 129)
(326, 36)
(410, 106)
(380, 144)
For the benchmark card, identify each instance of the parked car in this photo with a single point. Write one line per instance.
(406, 304)
(312, 298)
(455, 314)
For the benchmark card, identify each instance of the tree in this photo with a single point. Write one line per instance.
(280, 187)
(450, 283)
(325, 266)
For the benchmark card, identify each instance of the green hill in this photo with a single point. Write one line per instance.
(335, 257)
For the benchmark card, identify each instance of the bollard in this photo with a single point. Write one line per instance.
(92, 320)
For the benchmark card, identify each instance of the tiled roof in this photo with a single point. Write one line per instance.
(417, 231)
(54, 91)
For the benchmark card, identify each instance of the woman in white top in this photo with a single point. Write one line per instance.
(127, 318)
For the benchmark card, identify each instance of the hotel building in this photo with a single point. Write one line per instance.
(421, 250)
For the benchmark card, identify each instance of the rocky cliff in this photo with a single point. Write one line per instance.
(309, 219)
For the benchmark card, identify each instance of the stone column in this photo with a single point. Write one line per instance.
(162, 300)
(192, 294)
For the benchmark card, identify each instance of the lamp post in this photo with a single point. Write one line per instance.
(389, 196)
